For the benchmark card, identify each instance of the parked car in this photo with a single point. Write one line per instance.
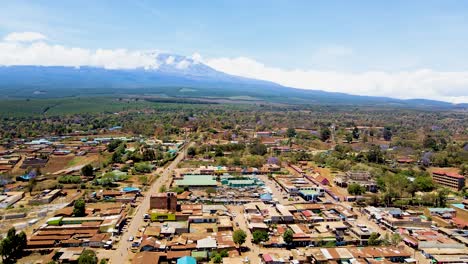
(130, 239)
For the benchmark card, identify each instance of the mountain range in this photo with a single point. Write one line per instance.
(173, 76)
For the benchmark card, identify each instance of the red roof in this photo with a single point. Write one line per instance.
(405, 160)
(322, 180)
(460, 222)
(307, 213)
(449, 174)
(267, 258)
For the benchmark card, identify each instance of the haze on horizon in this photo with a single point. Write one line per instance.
(398, 49)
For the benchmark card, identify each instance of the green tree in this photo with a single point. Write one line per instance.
(355, 133)
(149, 155)
(291, 132)
(375, 154)
(430, 142)
(423, 183)
(441, 199)
(325, 134)
(356, 189)
(191, 151)
(254, 161)
(88, 257)
(79, 208)
(257, 148)
(107, 179)
(464, 169)
(259, 236)
(395, 239)
(224, 253)
(116, 157)
(12, 246)
(387, 134)
(288, 236)
(374, 239)
(217, 258)
(112, 146)
(239, 237)
(219, 152)
(143, 167)
(349, 138)
(32, 183)
(87, 170)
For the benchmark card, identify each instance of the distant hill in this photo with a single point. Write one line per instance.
(175, 76)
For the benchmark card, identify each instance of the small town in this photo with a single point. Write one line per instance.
(233, 132)
(143, 200)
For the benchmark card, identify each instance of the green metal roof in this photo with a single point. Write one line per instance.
(196, 180)
(200, 254)
(309, 192)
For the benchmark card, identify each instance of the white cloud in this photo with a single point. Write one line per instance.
(183, 64)
(45, 54)
(170, 60)
(24, 37)
(423, 83)
(197, 58)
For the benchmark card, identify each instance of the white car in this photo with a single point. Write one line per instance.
(130, 239)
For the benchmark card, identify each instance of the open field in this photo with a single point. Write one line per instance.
(81, 105)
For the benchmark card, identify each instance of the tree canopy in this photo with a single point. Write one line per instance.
(87, 170)
(79, 208)
(239, 237)
(11, 247)
(88, 257)
(259, 236)
(288, 236)
(356, 189)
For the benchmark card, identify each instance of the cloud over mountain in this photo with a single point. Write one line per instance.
(32, 48)
(421, 83)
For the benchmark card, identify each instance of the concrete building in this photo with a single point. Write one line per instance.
(10, 198)
(453, 181)
(164, 201)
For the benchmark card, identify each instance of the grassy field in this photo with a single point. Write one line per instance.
(80, 105)
(63, 106)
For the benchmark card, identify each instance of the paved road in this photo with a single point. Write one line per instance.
(121, 254)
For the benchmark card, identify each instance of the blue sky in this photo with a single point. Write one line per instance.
(349, 37)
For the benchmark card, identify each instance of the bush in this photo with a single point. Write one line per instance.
(113, 145)
(68, 179)
(177, 190)
(259, 236)
(356, 189)
(87, 170)
(143, 167)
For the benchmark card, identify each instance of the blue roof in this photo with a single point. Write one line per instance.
(396, 211)
(187, 260)
(266, 197)
(131, 189)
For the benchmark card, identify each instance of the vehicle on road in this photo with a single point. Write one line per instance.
(130, 239)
